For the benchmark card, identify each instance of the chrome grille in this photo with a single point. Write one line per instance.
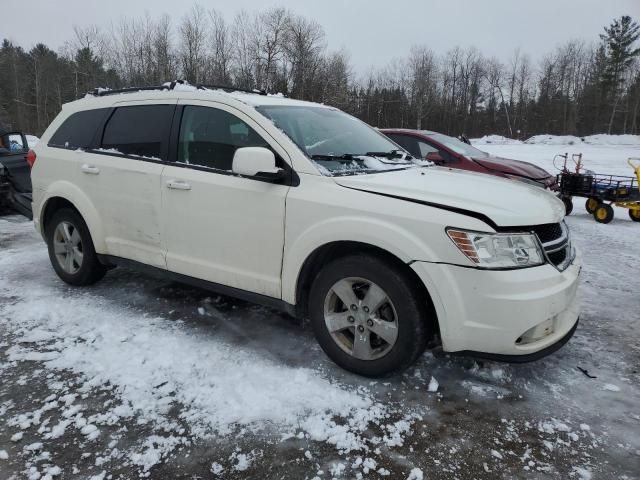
(556, 241)
(548, 232)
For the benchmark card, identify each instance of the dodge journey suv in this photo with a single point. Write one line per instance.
(302, 207)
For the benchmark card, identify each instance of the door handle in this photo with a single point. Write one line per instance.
(178, 185)
(90, 169)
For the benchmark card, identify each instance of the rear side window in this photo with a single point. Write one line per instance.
(78, 130)
(139, 131)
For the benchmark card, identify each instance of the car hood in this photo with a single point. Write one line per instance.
(512, 167)
(506, 203)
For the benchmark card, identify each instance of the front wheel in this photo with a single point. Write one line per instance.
(71, 249)
(368, 316)
(634, 214)
(603, 213)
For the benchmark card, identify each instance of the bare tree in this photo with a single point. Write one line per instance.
(423, 72)
(221, 48)
(193, 43)
(303, 47)
(244, 54)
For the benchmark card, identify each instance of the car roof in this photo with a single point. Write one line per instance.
(186, 92)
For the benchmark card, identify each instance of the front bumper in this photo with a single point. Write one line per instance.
(493, 313)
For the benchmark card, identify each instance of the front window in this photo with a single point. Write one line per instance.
(337, 143)
(457, 146)
(209, 137)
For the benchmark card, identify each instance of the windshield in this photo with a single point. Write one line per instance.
(457, 146)
(337, 143)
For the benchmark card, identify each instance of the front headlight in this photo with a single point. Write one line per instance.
(499, 250)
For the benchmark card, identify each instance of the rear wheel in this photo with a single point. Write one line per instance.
(568, 205)
(368, 316)
(603, 213)
(71, 249)
(591, 204)
(634, 214)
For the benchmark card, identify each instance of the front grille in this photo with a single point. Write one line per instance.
(558, 257)
(556, 243)
(548, 232)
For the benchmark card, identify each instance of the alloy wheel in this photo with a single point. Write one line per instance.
(67, 247)
(361, 318)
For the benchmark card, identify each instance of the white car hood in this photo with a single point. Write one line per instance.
(505, 202)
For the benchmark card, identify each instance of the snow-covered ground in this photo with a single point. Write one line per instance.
(598, 139)
(137, 377)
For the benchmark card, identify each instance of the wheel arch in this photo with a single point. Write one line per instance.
(69, 196)
(341, 248)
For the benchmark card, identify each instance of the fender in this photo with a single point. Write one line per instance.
(70, 192)
(372, 231)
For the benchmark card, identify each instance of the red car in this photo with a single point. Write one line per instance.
(451, 152)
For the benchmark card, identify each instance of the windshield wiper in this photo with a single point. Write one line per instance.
(391, 154)
(344, 156)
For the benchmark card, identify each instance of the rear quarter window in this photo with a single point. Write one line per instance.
(139, 131)
(79, 129)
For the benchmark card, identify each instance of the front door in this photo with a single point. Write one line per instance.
(218, 226)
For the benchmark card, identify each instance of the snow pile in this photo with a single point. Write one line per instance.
(495, 140)
(32, 140)
(554, 140)
(604, 139)
(599, 139)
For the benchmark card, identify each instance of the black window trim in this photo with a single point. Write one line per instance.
(292, 179)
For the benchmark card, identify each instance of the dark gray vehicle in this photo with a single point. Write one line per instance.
(15, 174)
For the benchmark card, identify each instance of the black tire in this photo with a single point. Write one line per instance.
(414, 319)
(568, 205)
(89, 270)
(603, 213)
(634, 215)
(591, 204)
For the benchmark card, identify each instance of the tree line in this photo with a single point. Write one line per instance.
(581, 87)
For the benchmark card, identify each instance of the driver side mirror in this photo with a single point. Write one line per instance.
(258, 162)
(434, 157)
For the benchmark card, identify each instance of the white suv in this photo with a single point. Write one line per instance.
(302, 207)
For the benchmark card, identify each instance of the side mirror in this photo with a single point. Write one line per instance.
(256, 162)
(434, 157)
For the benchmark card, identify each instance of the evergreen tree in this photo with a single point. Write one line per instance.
(618, 39)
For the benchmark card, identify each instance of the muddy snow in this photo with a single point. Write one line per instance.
(136, 377)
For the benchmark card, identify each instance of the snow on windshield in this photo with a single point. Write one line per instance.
(337, 142)
(356, 166)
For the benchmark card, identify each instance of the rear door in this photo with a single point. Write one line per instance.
(121, 175)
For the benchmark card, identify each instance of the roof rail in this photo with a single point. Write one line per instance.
(228, 88)
(101, 92)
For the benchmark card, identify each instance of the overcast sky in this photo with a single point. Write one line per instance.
(373, 32)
